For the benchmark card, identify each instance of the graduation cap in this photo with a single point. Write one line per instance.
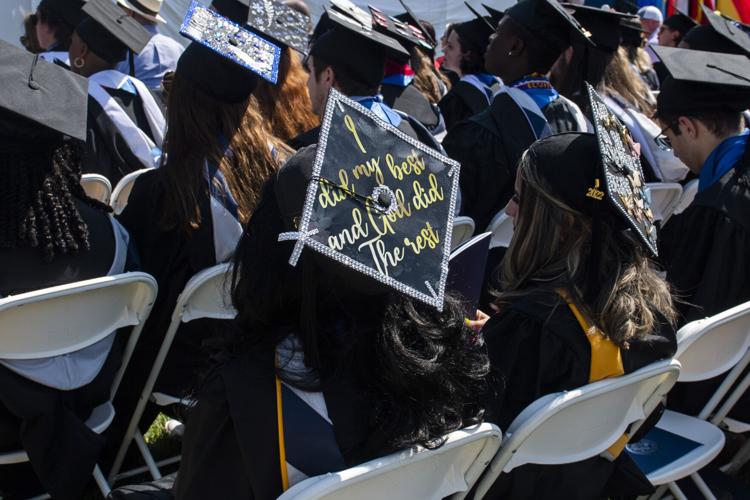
(109, 31)
(495, 14)
(234, 10)
(632, 31)
(352, 10)
(729, 29)
(279, 23)
(401, 31)
(680, 22)
(69, 10)
(702, 81)
(376, 201)
(40, 98)
(229, 41)
(549, 21)
(604, 25)
(362, 51)
(475, 33)
(410, 18)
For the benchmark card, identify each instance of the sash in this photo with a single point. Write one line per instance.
(582, 122)
(536, 119)
(146, 150)
(474, 81)
(227, 229)
(606, 360)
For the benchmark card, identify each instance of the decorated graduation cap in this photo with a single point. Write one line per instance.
(39, 99)
(702, 81)
(406, 35)
(225, 57)
(604, 25)
(341, 40)
(495, 14)
(68, 10)
(475, 33)
(680, 22)
(234, 10)
(352, 10)
(549, 21)
(376, 201)
(410, 18)
(110, 32)
(279, 23)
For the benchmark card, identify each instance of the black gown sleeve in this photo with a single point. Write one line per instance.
(454, 109)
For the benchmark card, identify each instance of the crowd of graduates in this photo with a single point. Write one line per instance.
(559, 114)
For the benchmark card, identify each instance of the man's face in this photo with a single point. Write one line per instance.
(317, 87)
(683, 145)
(668, 37)
(650, 25)
(496, 55)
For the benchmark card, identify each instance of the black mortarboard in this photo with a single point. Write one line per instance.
(352, 10)
(548, 21)
(362, 51)
(279, 23)
(475, 34)
(632, 31)
(727, 28)
(234, 10)
(604, 25)
(69, 10)
(680, 22)
(406, 35)
(707, 39)
(376, 202)
(39, 98)
(495, 14)
(109, 31)
(702, 81)
(410, 18)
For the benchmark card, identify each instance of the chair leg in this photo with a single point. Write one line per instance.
(738, 460)
(702, 486)
(101, 481)
(677, 492)
(660, 490)
(146, 454)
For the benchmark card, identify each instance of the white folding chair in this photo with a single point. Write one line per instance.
(689, 190)
(501, 228)
(121, 193)
(593, 417)
(463, 228)
(64, 319)
(206, 295)
(97, 187)
(664, 198)
(448, 471)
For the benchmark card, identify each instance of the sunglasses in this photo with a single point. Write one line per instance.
(662, 140)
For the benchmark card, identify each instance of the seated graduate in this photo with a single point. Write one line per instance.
(187, 215)
(718, 35)
(449, 64)
(125, 123)
(51, 234)
(671, 34)
(55, 22)
(350, 57)
(285, 105)
(579, 301)
(526, 43)
(474, 91)
(633, 43)
(329, 349)
(427, 77)
(159, 55)
(399, 87)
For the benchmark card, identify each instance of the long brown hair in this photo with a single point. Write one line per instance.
(621, 78)
(550, 250)
(426, 78)
(286, 105)
(196, 124)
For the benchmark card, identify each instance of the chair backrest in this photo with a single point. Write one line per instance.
(66, 318)
(689, 190)
(711, 346)
(414, 473)
(664, 198)
(501, 228)
(97, 187)
(571, 426)
(463, 229)
(121, 193)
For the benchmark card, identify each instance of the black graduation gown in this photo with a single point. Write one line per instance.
(412, 102)
(49, 423)
(537, 347)
(231, 449)
(462, 101)
(489, 145)
(107, 153)
(705, 250)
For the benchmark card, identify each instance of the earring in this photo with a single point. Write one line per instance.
(510, 53)
(78, 62)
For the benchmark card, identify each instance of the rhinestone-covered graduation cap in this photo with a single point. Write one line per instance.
(377, 201)
(231, 41)
(40, 98)
(109, 31)
(280, 23)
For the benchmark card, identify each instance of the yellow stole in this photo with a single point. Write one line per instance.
(606, 360)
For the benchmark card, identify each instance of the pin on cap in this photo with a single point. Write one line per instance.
(231, 41)
(279, 23)
(376, 201)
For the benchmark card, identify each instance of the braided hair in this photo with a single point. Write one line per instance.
(37, 208)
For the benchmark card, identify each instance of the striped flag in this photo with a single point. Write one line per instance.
(736, 9)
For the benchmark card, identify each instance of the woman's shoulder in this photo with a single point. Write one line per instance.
(540, 312)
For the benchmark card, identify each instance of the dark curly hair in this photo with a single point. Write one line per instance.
(37, 209)
(421, 372)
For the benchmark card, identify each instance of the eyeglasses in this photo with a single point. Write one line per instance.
(662, 140)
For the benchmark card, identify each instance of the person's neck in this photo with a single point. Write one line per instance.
(711, 142)
(516, 74)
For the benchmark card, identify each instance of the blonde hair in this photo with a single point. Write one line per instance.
(551, 249)
(622, 79)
